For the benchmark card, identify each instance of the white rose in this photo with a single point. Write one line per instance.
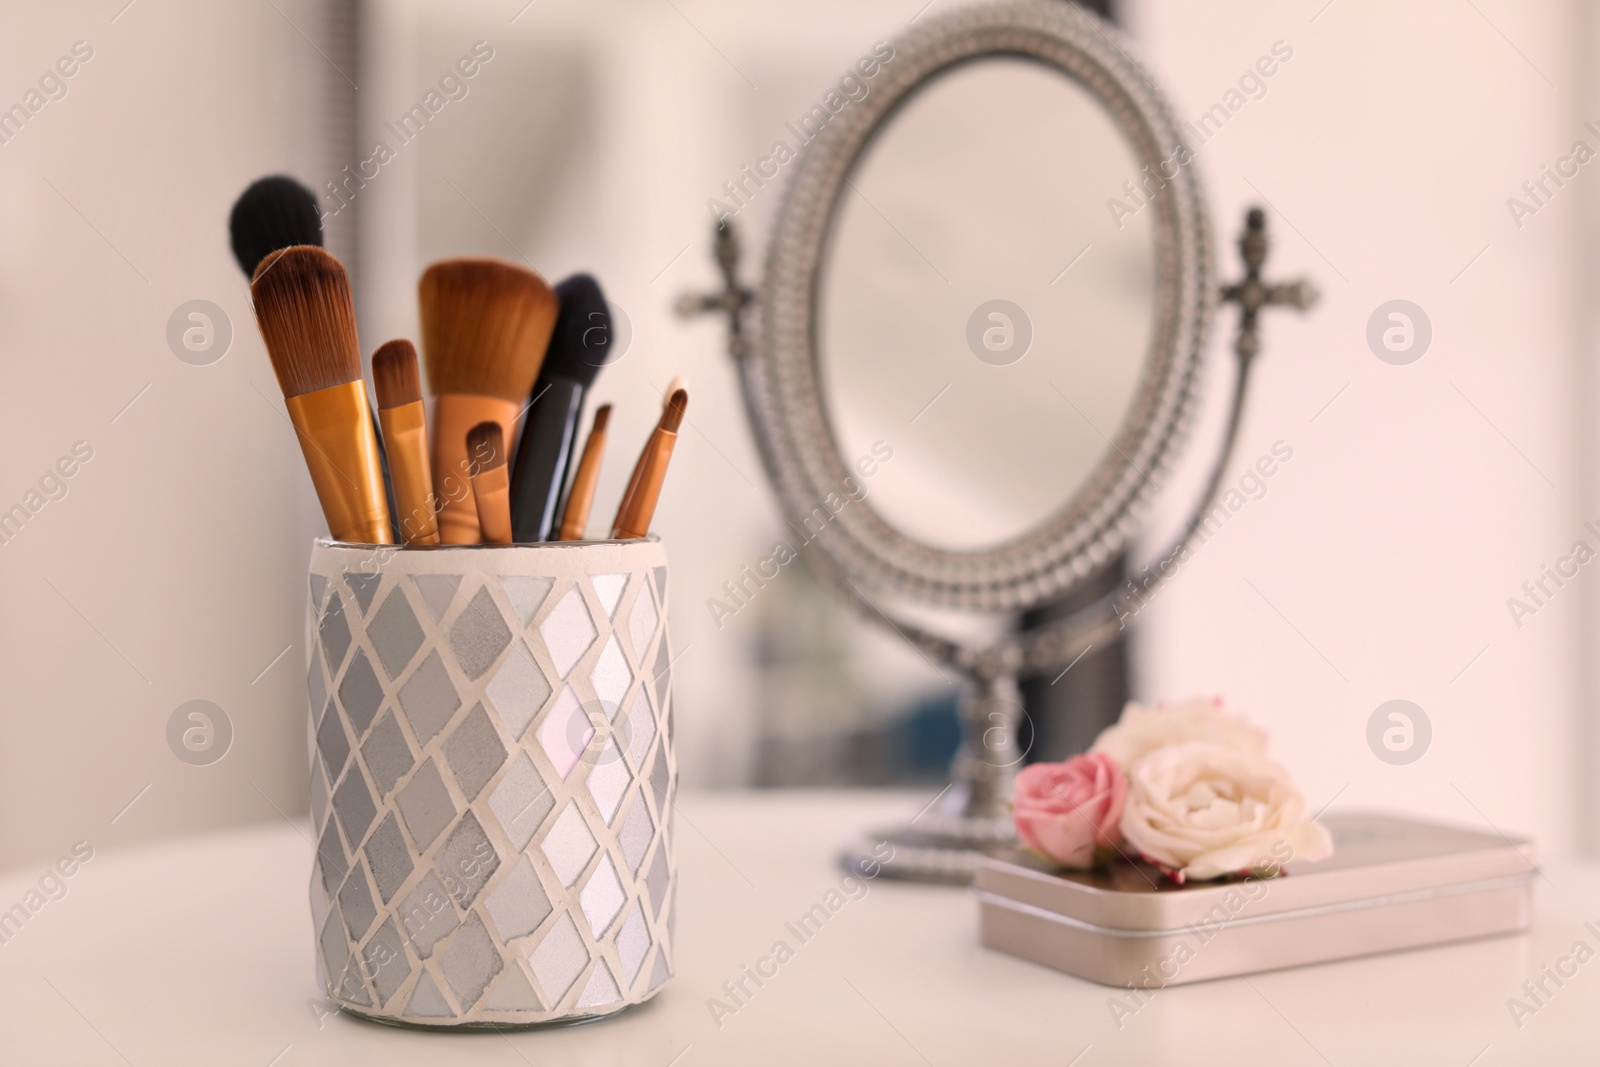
(1144, 729)
(1200, 811)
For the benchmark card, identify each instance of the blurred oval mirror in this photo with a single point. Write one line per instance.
(979, 307)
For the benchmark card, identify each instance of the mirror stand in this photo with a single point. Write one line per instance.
(941, 843)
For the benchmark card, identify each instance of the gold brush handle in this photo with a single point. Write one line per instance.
(335, 430)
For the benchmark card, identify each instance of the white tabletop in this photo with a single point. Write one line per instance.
(200, 952)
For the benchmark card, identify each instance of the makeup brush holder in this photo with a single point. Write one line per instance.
(492, 777)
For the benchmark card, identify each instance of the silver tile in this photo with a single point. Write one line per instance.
(334, 633)
(513, 993)
(642, 625)
(526, 595)
(521, 801)
(360, 694)
(335, 948)
(661, 674)
(659, 973)
(633, 943)
(426, 1001)
(568, 631)
(602, 897)
(426, 915)
(316, 685)
(637, 830)
(387, 964)
(608, 590)
(661, 584)
(479, 635)
(355, 902)
(658, 879)
(390, 859)
(429, 698)
(334, 745)
(363, 587)
(519, 903)
(601, 988)
(331, 859)
(569, 845)
(466, 860)
(426, 806)
(470, 961)
(660, 780)
(565, 732)
(608, 781)
(559, 959)
(518, 690)
(438, 590)
(474, 752)
(388, 754)
(640, 728)
(611, 677)
(395, 634)
(319, 586)
(352, 802)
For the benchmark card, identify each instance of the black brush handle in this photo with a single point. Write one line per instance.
(543, 457)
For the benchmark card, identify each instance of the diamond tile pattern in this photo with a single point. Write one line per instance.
(479, 635)
(476, 862)
(429, 699)
(426, 806)
(360, 693)
(387, 754)
(611, 677)
(568, 632)
(474, 752)
(519, 690)
(395, 633)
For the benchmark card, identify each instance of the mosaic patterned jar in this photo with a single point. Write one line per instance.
(492, 776)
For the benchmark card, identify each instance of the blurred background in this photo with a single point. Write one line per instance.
(1378, 563)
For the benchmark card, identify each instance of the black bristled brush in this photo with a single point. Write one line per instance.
(278, 212)
(579, 347)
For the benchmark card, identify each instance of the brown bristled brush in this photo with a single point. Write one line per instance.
(580, 498)
(644, 488)
(303, 306)
(405, 433)
(485, 326)
(491, 482)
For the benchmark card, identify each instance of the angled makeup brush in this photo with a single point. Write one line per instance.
(405, 431)
(485, 325)
(491, 485)
(578, 348)
(644, 488)
(304, 309)
(580, 498)
(278, 212)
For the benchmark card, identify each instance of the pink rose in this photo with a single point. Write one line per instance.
(1064, 811)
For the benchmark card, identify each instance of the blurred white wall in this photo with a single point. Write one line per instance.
(1377, 566)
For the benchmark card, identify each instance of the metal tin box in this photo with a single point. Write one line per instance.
(1392, 883)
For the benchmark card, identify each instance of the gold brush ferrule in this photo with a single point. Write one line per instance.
(335, 430)
(405, 432)
(491, 489)
(639, 505)
(454, 416)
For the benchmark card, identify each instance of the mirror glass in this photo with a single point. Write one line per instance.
(980, 309)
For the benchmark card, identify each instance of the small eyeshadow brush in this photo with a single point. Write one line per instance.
(644, 488)
(405, 430)
(578, 348)
(491, 484)
(580, 498)
(307, 318)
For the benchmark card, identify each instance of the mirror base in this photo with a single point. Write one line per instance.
(933, 848)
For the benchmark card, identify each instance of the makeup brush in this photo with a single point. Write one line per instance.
(273, 213)
(577, 351)
(485, 324)
(580, 498)
(304, 309)
(405, 431)
(644, 489)
(491, 485)
(278, 212)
